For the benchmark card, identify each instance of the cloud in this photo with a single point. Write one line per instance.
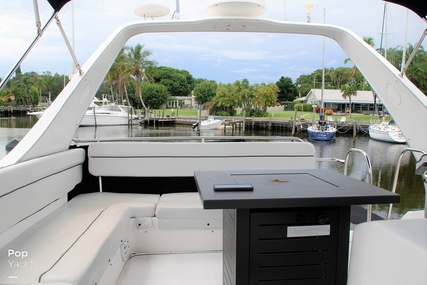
(221, 57)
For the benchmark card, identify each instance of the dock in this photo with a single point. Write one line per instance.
(162, 122)
(271, 124)
(233, 124)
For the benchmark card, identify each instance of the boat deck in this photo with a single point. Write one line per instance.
(178, 268)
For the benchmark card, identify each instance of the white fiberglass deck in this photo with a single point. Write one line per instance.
(173, 269)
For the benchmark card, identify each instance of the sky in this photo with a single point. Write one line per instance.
(260, 58)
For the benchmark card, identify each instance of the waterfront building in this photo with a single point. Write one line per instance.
(363, 102)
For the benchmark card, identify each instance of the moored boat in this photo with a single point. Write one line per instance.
(211, 123)
(321, 131)
(38, 114)
(386, 132)
(104, 115)
(108, 115)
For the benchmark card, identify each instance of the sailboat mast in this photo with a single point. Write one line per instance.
(383, 51)
(176, 13)
(323, 73)
(323, 67)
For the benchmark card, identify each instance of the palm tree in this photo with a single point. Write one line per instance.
(369, 41)
(137, 61)
(49, 84)
(338, 75)
(244, 93)
(354, 71)
(225, 98)
(119, 75)
(417, 70)
(111, 78)
(349, 90)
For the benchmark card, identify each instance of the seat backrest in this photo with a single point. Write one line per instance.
(33, 189)
(137, 159)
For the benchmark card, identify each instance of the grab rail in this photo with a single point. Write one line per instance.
(396, 175)
(369, 164)
(345, 162)
(202, 139)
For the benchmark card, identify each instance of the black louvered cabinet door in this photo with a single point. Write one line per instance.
(287, 246)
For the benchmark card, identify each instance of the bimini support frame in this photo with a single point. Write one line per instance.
(67, 42)
(414, 52)
(37, 15)
(40, 32)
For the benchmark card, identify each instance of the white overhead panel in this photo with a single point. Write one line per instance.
(236, 8)
(152, 10)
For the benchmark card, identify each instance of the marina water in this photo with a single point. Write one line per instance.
(384, 156)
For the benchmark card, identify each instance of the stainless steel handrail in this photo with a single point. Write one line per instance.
(330, 159)
(369, 164)
(202, 139)
(345, 162)
(396, 175)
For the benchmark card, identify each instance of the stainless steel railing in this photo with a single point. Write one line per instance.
(369, 165)
(396, 175)
(346, 163)
(201, 139)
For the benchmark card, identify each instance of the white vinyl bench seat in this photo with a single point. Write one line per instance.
(182, 159)
(86, 231)
(78, 241)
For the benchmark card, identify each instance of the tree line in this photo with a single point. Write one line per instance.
(29, 88)
(224, 98)
(136, 80)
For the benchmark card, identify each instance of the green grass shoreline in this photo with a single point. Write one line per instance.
(277, 115)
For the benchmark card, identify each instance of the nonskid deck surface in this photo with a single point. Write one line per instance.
(175, 268)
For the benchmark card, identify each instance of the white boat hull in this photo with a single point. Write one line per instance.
(105, 120)
(386, 133)
(108, 116)
(38, 114)
(210, 124)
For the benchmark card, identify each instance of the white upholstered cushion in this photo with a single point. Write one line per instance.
(389, 252)
(185, 210)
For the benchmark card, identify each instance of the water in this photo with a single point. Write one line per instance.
(14, 128)
(383, 156)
